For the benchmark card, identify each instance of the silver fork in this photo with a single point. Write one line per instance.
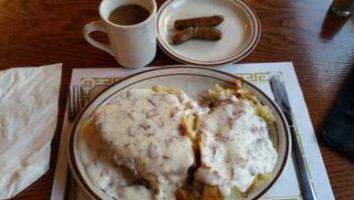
(76, 102)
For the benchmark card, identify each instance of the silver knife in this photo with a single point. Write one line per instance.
(302, 171)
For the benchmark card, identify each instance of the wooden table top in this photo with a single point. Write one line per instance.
(320, 44)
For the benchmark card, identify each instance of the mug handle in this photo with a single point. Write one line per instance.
(92, 27)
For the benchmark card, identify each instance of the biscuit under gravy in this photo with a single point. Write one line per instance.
(142, 130)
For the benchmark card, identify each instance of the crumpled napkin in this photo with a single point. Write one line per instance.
(28, 116)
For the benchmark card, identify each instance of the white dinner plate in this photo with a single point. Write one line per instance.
(241, 31)
(194, 81)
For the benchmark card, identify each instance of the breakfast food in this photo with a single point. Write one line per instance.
(115, 181)
(160, 144)
(197, 28)
(234, 144)
(199, 33)
(145, 132)
(205, 21)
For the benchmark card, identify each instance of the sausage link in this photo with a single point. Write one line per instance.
(207, 21)
(199, 33)
(183, 36)
(205, 33)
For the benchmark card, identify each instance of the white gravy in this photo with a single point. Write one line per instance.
(141, 128)
(235, 146)
(114, 181)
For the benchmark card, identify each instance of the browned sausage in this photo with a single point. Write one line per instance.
(199, 33)
(183, 36)
(205, 33)
(207, 21)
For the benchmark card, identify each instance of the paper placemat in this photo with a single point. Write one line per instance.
(286, 188)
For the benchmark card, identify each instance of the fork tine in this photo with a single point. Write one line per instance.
(71, 103)
(82, 100)
(74, 103)
(77, 102)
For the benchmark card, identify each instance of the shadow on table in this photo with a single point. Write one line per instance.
(331, 25)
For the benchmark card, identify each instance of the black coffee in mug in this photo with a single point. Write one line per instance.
(128, 14)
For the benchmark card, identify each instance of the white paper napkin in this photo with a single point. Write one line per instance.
(28, 116)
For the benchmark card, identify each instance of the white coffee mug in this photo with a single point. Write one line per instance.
(131, 45)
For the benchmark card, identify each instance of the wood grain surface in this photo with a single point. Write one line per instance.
(320, 44)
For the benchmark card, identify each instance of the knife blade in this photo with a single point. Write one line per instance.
(303, 174)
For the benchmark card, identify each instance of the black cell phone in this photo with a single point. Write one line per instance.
(339, 129)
